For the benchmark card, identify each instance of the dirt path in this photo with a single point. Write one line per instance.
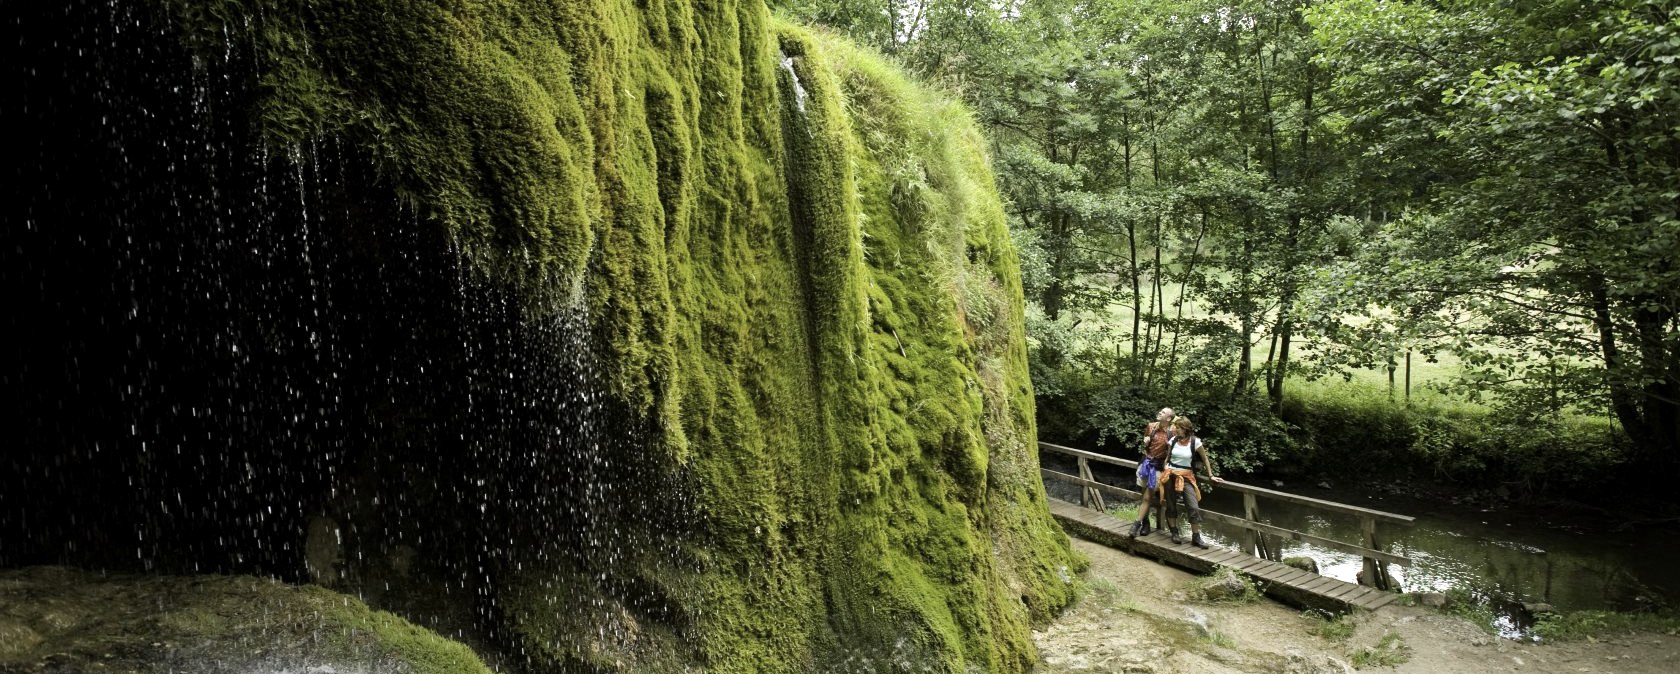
(1136, 618)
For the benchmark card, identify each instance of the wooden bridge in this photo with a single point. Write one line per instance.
(1260, 556)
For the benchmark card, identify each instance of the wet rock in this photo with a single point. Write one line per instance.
(1198, 623)
(1301, 663)
(1432, 599)
(322, 551)
(1303, 563)
(1224, 585)
(1392, 582)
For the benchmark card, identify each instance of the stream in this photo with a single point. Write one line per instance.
(1573, 560)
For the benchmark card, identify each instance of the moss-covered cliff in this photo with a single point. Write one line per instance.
(802, 310)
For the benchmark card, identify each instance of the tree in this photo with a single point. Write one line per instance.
(1551, 228)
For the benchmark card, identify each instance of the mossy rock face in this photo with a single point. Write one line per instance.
(796, 275)
(54, 619)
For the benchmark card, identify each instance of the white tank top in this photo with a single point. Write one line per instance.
(1182, 454)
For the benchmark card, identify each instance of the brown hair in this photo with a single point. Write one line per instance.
(1185, 428)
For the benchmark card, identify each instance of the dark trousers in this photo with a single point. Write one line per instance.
(1190, 501)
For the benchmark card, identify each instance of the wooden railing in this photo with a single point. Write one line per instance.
(1260, 539)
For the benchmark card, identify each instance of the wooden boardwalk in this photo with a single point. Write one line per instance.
(1280, 581)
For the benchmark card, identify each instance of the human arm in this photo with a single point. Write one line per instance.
(1207, 461)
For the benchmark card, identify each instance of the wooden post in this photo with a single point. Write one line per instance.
(1089, 495)
(1546, 596)
(1375, 574)
(1251, 538)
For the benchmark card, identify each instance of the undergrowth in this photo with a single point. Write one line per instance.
(1390, 651)
(1583, 625)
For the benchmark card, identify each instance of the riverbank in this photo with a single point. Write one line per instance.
(1136, 617)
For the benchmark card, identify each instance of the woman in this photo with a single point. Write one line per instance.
(1178, 479)
(1156, 437)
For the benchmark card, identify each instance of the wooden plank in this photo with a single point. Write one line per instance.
(1246, 562)
(1216, 556)
(1293, 577)
(1093, 456)
(1316, 586)
(1250, 489)
(1227, 557)
(1308, 580)
(1364, 596)
(1223, 556)
(1379, 602)
(1269, 573)
(1395, 518)
(1102, 486)
(1347, 590)
(1308, 538)
(1359, 599)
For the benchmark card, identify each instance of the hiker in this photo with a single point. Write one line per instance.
(1178, 480)
(1157, 436)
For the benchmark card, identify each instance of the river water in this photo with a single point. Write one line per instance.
(1573, 560)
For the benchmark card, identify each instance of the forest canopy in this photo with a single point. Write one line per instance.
(1247, 208)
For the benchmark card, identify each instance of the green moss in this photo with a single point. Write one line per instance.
(419, 648)
(797, 266)
(80, 621)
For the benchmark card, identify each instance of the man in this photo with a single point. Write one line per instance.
(1157, 441)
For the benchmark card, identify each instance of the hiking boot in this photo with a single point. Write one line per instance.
(1143, 527)
(1176, 539)
(1196, 540)
(1134, 533)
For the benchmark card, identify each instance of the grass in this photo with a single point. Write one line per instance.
(1391, 650)
(1464, 604)
(1127, 511)
(1221, 640)
(1332, 627)
(1103, 586)
(1588, 625)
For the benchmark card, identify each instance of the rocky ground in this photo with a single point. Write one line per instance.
(1141, 616)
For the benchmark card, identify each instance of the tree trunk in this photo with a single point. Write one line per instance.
(1189, 268)
(1623, 399)
(1132, 253)
(1286, 329)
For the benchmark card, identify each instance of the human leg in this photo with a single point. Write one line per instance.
(1170, 500)
(1141, 526)
(1193, 505)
